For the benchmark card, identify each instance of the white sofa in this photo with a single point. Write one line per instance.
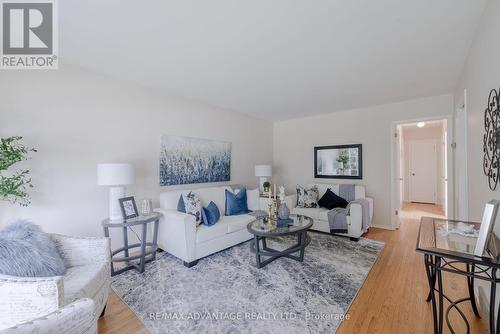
(179, 235)
(60, 304)
(320, 215)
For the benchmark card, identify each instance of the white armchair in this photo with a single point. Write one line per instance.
(60, 301)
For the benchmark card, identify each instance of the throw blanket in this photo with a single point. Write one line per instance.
(337, 217)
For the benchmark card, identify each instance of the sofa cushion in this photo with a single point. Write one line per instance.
(237, 223)
(84, 281)
(253, 200)
(322, 214)
(26, 251)
(213, 194)
(236, 204)
(181, 207)
(192, 205)
(210, 214)
(307, 198)
(206, 233)
(330, 200)
(309, 212)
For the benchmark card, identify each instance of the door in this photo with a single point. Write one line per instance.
(423, 171)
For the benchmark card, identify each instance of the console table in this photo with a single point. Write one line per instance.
(145, 255)
(448, 246)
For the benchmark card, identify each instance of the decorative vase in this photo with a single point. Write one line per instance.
(283, 211)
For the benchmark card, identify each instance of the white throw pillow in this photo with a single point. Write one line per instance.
(192, 204)
(253, 199)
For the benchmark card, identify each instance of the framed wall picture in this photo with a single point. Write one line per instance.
(338, 162)
(129, 208)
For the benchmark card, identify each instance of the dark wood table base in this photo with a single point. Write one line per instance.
(303, 239)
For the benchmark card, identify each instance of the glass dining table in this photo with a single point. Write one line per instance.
(448, 246)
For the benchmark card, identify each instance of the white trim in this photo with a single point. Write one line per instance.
(384, 227)
(450, 168)
(464, 164)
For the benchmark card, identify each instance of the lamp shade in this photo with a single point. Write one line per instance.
(115, 174)
(263, 170)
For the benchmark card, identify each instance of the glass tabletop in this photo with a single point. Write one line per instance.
(265, 227)
(449, 237)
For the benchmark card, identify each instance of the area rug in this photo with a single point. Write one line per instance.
(226, 293)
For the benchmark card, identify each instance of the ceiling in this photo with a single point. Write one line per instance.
(275, 59)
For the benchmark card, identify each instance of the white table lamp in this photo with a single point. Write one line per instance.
(116, 176)
(263, 172)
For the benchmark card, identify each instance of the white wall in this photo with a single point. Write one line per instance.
(294, 141)
(77, 119)
(481, 74)
(429, 131)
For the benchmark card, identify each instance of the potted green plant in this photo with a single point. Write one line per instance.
(14, 185)
(267, 186)
(343, 160)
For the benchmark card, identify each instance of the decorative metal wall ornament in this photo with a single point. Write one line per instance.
(491, 139)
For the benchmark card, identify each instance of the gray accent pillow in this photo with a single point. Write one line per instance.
(307, 198)
(26, 251)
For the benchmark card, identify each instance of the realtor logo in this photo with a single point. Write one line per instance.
(29, 35)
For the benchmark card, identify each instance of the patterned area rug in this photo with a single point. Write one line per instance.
(226, 293)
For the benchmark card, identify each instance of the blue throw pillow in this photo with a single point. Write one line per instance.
(26, 251)
(181, 207)
(236, 204)
(210, 214)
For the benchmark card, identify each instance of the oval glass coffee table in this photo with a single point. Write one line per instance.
(263, 229)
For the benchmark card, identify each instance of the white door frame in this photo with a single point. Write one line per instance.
(450, 167)
(464, 164)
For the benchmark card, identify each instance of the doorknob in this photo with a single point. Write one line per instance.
(412, 174)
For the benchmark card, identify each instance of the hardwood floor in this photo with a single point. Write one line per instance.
(392, 299)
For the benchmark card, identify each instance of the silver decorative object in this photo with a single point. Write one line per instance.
(146, 207)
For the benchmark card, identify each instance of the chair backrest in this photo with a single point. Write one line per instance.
(169, 199)
(359, 189)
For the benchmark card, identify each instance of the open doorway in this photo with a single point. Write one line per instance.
(420, 185)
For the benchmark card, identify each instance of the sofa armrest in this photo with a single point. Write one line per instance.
(77, 251)
(77, 317)
(25, 298)
(177, 234)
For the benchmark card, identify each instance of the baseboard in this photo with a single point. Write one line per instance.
(390, 228)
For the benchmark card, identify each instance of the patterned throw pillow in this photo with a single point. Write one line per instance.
(307, 198)
(192, 205)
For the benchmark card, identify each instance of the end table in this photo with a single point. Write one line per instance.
(144, 256)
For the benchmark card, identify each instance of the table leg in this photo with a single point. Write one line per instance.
(432, 273)
(493, 289)
(470, 286)
(155, 237)
(440, 293)
(302, 241)
(125, 240)
(143, 247)
(257, 250)
(432, 281)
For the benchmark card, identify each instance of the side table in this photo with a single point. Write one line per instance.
(144, 256)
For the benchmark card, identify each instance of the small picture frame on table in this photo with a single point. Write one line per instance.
(486, 229)
(128, 207)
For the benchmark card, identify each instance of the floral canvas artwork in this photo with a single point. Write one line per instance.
(185, 160)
